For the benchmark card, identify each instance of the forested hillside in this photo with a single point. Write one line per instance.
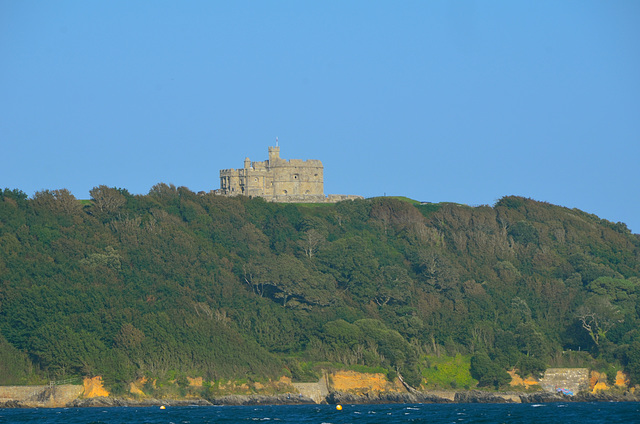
(176, 283)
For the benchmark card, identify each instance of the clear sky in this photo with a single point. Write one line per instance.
(456, 101)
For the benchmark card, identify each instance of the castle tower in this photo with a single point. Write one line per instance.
(274, 155)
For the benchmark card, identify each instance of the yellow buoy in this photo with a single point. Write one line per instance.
(339, 407)
(163, 407)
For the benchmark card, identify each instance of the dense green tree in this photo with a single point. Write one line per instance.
(633, 362)
(174, 282)
(488, 373)
(16, 367)
(106, 200)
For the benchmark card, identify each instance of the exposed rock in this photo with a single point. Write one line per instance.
(360, 383)
(622, 380)
(195, 382)
(527, 382)
(184, 402)
(282, 399)
(11, 404)
(109, 401)
(476, 396)
(95, 401)
(94, 387)
(606, 397)
(544, 397)
(384, 397)
(337, 397)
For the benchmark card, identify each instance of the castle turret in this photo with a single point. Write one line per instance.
(274, 155)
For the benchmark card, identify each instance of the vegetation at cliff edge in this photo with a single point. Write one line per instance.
(173, 284)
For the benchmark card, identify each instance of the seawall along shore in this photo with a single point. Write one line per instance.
(40, 396)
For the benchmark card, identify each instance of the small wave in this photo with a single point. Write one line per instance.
(535, 405)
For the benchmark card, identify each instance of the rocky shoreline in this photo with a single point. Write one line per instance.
(472, 396)
(477, 396)
(545, 397)
(389, 397)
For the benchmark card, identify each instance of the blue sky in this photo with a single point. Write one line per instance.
(456, 101)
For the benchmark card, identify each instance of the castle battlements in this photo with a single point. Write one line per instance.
(279, 180)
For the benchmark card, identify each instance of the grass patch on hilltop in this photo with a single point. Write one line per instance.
(406, 199)
(314, 205)
(400, 198)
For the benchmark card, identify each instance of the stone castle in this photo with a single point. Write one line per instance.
(279, 180)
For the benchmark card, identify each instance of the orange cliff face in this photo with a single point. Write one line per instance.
(93, 387)
(598, 381)
(195, 382)
(622, 380)
(516, 380)
(358, 383)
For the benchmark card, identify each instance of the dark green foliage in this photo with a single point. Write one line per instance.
(633, 362)
(371, 343)
(174, 283)
(524, 232)
(488, 373)
(511, 202)
(530, 366)
(15, 367)
(302, 371)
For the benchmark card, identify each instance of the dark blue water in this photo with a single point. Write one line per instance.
(564, 413)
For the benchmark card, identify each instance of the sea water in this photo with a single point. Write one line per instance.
(548, 413)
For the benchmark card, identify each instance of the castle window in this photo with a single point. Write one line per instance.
(284, 191)
(255, 179)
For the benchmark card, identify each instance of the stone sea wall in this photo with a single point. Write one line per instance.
(576, 380)
(316, 391)
(573, 379)
(40, 396)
